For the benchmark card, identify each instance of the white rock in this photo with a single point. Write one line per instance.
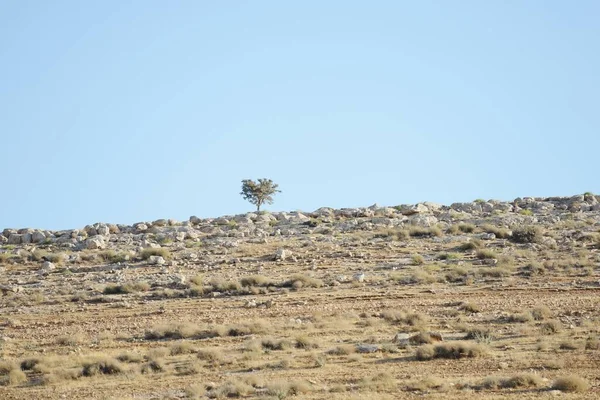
(38, 237)
(47, 267)
(95, 243)
(14, 238)
(156, 260)
(282, 254)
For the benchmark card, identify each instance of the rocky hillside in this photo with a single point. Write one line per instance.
(314, 300)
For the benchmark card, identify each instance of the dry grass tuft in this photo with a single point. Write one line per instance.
(541, 313)
(571, 383)
(160, 251)
(551, 327)
(127, 288)
(450, 351)
(517, 381)
(381, 381)
(342, 350)
(101, 366)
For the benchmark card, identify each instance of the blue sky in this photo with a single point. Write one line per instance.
(125, 111)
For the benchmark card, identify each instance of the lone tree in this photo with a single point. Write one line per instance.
(259, 193)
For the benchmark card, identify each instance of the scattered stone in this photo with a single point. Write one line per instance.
(156, 260)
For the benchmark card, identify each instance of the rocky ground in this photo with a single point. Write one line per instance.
(486, 299)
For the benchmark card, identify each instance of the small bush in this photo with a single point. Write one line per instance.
(569, 345)
(104, 366)
(517, 381)
(485, 254)
(541, 313)
(298, 281)
(127, 288)
(500, 233)
(469, 307)
(130, 357)
(256, 280)
(551, 327)
(182, 348)
(304, 342)
(571, 383)
(159, 251)
(470, 245)
(521, 317)
(275, 344)
(527, 234)
(177, 331)
(113, 257)
(466, 228)
(153, 366)
(417, 259)
(418, 231)
(450, 351)
(342, 350)
(69, 340)
(220, 285)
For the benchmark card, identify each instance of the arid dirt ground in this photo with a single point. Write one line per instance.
(324, 313)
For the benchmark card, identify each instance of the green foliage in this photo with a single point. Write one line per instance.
(259, 193)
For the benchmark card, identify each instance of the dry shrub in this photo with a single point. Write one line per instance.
(416, 320)
(160, 251)
(30, 363)
(304, 342)
(275, 344)
(527, 234)
(517, 381)
(551, 327)
(195, 392)
(342, 350)
(153, 366)
(113, 257)
(16, 377)
(450, 351)
(221, 285)
(470, 308)
(212, 356)
(283, 389)
(381, 381)
(420, 232)
(427, 384)
(234, 388)
(256, 280)
(569, 345)
(480, 335)
(495, 272)
(129, 357)
(417, 259)
(541, 313)
(69, 340)
(486, 254)
(592, 343)
(419, 277)
(174, 331)
(298, 281)
(127, 288)
(182, 348)
(520, 317)
(501, 233)
(101, 366)
(470, 245)
(245, 329)
(424, 338)
(571, 383)
(6, 367)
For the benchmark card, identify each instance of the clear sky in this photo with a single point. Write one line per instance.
(126, 111)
